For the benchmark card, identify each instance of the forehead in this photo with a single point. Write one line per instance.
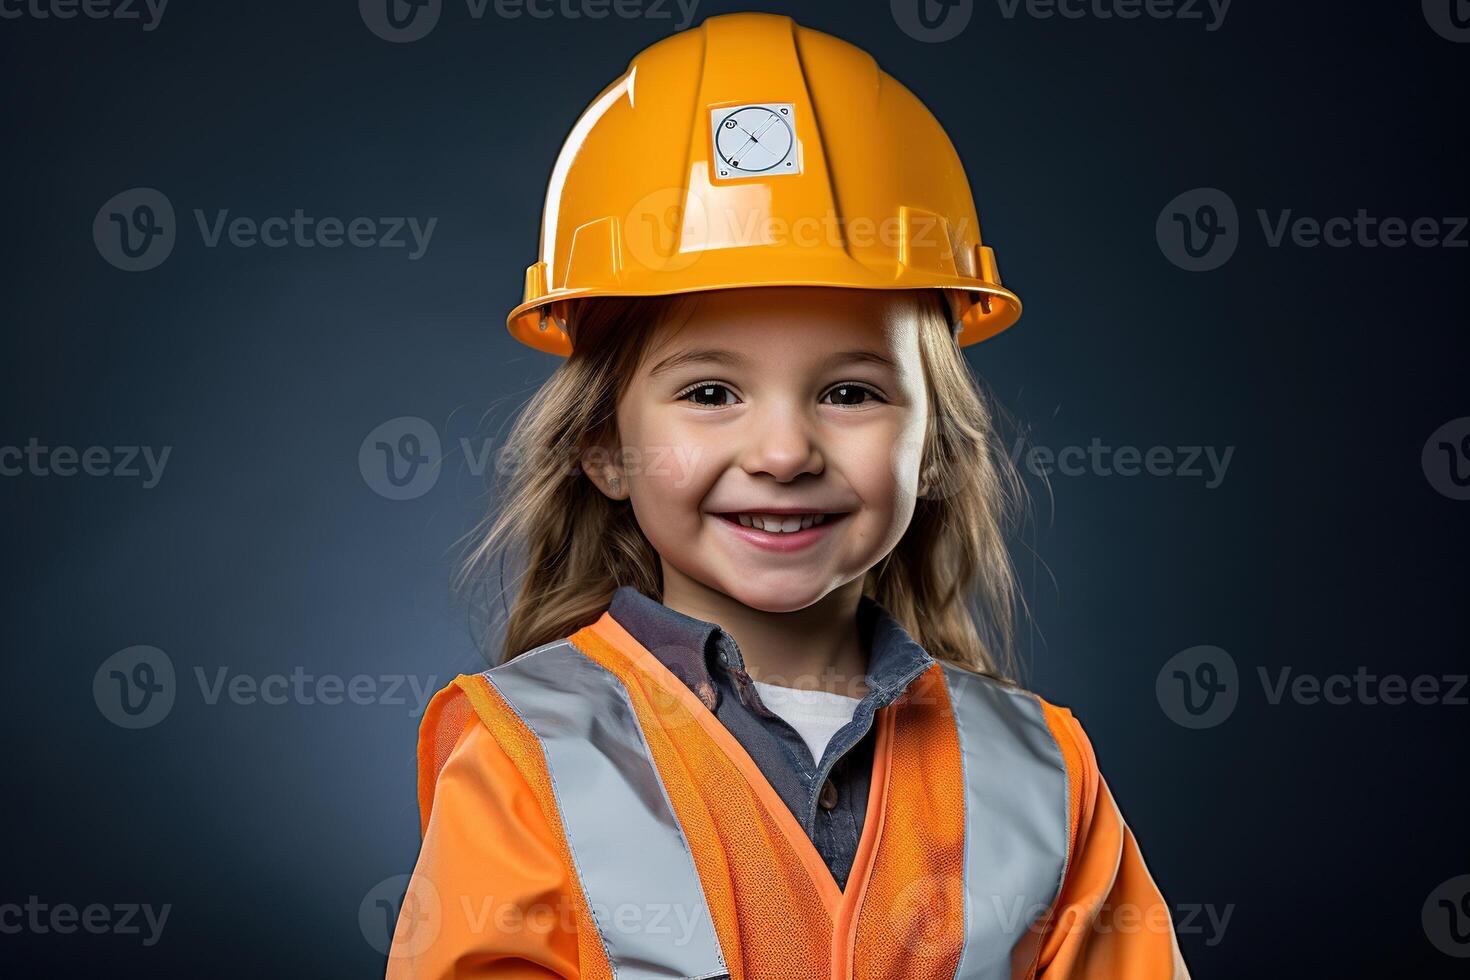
(792, 322)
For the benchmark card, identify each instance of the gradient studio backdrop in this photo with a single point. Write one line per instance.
(1291, 836)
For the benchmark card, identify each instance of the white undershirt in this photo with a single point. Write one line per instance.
(816, 715)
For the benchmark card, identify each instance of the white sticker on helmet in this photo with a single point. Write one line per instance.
(756, 140)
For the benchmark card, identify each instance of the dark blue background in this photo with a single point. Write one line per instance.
(1323, 828)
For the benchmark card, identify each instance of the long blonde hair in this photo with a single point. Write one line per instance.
(949, 581)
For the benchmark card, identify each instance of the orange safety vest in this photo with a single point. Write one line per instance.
(586, 816)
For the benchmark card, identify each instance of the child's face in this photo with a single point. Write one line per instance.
(795, 398)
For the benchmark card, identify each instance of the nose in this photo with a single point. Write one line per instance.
(781, 443)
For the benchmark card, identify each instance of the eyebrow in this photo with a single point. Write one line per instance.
(728, 358)
(863, 355)
(711, 355)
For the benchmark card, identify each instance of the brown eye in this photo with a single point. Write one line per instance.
(852, 394)
(708, 394)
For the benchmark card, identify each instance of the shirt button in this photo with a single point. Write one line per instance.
(827, 798)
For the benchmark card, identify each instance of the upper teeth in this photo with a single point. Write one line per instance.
(781, 523)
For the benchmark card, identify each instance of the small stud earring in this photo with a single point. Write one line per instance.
(616, 484)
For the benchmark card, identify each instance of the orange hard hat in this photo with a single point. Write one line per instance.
(752, 151)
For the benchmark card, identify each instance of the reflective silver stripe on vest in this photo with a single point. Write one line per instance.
(1017, 823)
(631, 857)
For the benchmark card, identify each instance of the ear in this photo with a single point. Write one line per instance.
(928, 481)
(605, 471)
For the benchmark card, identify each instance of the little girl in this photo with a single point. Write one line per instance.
(752, 718)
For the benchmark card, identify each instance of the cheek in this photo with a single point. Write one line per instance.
(886, 477)
(670, 469)
(905, 460)
(886, 466)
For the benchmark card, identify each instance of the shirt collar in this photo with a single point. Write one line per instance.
(688, 647)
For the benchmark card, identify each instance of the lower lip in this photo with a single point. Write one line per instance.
(779, 541)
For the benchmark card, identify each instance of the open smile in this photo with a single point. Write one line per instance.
(780, 532)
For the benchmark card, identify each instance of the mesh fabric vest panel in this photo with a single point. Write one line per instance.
(911, 924)
(776, 909)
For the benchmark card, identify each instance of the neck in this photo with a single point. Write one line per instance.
(817, 648)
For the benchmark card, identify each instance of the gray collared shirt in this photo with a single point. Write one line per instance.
(707, 659)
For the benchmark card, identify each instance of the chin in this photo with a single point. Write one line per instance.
(775, 592)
